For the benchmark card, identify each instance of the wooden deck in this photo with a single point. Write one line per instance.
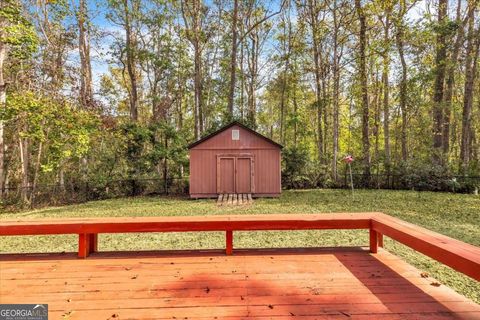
(339, 283)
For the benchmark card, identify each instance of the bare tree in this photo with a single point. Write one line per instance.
(233, 58)
(471, 60)
(236, 39)
(362, 69)
(338, 46)
(86, 91)
(440, 58)
(319, 58)
(193, 13)
(130, 48)
(3, 100)
(386, 88)
(399, 37)
(255, 43)
(450, 72)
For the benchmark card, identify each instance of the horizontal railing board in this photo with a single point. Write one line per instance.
(458, 255)
(184, 224)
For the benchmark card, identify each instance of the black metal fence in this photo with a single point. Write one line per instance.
(456, 183)
(77, 192)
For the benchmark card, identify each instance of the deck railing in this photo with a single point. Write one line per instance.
(460, 256)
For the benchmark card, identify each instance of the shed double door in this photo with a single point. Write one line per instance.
(235, 174)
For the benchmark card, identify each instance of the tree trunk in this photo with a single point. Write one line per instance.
(325, 104)
(362, 65)
(450, 75)
(283, 101)
(440, 58)
(286, 68)
(165, 166)
(86, 92)
(376, 107)
(61, 178)
(24, 165)
(36, 172)
(191, 13)
(470, 71)
(198, 90)
(3, 100)
(403, 88)
(386, 95)
(295, 114)
(242, 82)
(253, 70)
(336, 94)
(233, 59)
(318, 76)
(130, 47)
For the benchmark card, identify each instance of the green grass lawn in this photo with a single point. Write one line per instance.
(455, 215)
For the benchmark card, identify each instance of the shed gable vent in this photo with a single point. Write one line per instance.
(235, 134)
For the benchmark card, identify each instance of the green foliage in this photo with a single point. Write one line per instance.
(146, 146)
(17, 31)
(417, 175)
(295, 160)
(65, 132)
(294, 99)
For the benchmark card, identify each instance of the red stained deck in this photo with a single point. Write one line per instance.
(340, 283)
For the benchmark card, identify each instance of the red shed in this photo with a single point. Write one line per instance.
(235, 159)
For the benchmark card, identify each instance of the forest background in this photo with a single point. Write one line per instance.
(100, 98)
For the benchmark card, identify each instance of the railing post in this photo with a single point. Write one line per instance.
(373, 241)
(83, 245)
(229, 242)
(93, 242)
(380, 239)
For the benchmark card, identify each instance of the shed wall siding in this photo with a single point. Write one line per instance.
(203, 162)
(203, 170)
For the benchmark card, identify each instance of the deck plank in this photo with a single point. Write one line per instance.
(327, 283)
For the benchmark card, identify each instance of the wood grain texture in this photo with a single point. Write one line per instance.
(328, 283)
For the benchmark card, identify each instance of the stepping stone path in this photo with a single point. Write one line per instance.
(234, 199)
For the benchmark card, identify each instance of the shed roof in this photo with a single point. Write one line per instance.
(226, 127)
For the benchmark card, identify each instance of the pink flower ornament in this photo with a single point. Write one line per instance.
(348, 159)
